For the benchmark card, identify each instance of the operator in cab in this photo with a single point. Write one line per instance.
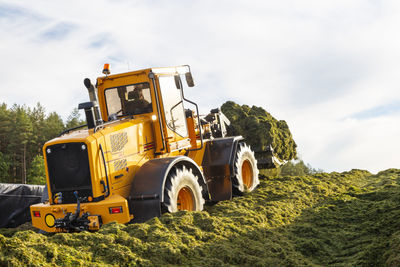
(136, 104)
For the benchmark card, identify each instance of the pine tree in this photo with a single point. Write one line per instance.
(37, 117)
(5, 134)
(53, 126)
(20, 140)
(4, 168)
(37, 173)
(73, 119)
(5, 127)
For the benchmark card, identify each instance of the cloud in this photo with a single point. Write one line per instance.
(58, 32)
(330, 69)
(379, 111)
(10, 11)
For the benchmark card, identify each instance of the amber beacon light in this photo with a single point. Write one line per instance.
(106, 69)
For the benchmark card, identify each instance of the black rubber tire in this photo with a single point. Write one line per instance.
(245, 161)
(178, 180)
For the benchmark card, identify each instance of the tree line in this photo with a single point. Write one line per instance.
(23, 132)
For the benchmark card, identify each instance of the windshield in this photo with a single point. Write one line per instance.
(128, 99)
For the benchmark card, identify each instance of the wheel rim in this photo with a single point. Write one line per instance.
(185, 199)
(247, 174)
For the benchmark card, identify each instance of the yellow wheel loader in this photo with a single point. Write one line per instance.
(145, 150)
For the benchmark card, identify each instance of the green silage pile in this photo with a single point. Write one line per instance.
(343, 219)
(260, 129)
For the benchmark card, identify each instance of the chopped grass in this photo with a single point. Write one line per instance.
(260, 130)
(340, 219)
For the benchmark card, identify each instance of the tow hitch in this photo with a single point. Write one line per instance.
(73, 223)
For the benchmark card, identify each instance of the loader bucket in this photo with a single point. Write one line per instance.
(267, 159)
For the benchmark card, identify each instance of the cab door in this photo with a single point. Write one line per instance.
(177, 137)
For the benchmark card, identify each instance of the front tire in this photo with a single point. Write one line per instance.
(183, 192)
(246, 172)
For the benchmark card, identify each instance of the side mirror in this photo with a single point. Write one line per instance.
(178, 81)
(189, 79)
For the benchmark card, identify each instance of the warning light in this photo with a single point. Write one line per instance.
(90, 199)
(36, 214)
(115, 210)
(106, 69)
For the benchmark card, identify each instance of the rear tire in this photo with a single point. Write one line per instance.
(183, 192)
(246, 177)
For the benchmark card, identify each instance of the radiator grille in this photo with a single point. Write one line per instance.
(68, 167)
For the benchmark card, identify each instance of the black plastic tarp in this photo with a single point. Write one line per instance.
(15, 200)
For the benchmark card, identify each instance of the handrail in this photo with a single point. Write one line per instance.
(198, 120)
(71, 129)
(105, 168)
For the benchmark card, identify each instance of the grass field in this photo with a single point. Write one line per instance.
(328, 219)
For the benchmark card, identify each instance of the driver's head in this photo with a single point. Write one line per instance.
(137, 93)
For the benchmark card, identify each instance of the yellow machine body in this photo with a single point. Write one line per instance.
(100, 164)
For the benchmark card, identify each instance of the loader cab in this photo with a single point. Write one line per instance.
(155, 93)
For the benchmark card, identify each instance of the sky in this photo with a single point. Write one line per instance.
(330, 69)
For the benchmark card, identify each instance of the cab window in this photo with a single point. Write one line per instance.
(126, 100)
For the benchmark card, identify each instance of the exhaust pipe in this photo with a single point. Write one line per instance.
(93, 98)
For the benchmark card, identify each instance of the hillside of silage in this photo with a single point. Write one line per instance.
(341, 219)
